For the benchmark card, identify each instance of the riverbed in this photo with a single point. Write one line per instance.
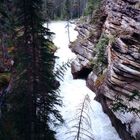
(76, 95)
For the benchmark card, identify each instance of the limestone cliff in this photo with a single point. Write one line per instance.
(108, 57)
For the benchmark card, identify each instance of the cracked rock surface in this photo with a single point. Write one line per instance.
(119, 20)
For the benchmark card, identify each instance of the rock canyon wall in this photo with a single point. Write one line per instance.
(108, 57)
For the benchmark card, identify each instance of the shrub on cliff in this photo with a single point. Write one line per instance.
(100, 62)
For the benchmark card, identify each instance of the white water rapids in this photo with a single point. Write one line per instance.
(73, 93)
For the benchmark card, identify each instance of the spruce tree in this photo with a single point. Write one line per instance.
(31, 103)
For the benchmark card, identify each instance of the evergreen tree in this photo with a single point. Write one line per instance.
(91, 6)
(59, 8)
(68, 9)
(30, 106)
(48, 9)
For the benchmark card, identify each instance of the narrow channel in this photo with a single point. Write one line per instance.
(73, 93)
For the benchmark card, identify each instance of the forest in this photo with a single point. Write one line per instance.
(28, 84)
(58, 9)
(46, 93)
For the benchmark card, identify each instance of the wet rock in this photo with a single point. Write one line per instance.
(80, 68)
(92, 77)
(121, 25)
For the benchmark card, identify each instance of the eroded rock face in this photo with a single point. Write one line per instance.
(121, 79)
(84, 47)
(84, 50)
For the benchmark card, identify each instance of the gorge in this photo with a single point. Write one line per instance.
(61, 84)
(108, 57)
(73, 93)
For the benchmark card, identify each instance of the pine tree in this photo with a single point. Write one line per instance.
(31, 102)
(91, 6)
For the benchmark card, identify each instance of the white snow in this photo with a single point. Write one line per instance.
(74, 92)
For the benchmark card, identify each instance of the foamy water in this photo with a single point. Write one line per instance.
(73, 93)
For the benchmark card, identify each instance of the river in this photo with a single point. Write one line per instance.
(96, 124)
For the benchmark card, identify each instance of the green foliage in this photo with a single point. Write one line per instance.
(61, 69)
(91, 6)
(63, 9)
(101, 61)
(48, 9)
(101, 46)
(119, 105)
(31, 104)
(67, 9)
(135, 95)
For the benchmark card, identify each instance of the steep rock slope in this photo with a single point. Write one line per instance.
(108, 56)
